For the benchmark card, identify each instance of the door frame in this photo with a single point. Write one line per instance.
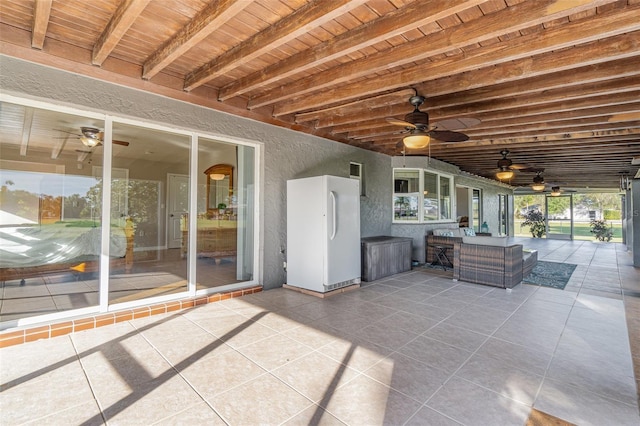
(168, 240)
(546, 217)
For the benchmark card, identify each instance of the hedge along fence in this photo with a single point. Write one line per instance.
(612, 215)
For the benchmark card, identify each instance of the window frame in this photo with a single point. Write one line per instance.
(419, 195)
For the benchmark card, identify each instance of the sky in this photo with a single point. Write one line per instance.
(47, 183)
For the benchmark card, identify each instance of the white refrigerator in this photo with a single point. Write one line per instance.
(323, 233)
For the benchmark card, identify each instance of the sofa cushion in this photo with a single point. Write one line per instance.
(468, 232)
(446, 232)
(487, 241)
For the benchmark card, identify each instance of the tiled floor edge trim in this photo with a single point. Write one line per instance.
(67, 326)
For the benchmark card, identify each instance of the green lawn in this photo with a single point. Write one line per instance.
(581, 230)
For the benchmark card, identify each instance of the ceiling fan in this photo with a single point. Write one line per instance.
(556, 191)
(416, 124)
(538, 184)
(506, 167)
(92, 137)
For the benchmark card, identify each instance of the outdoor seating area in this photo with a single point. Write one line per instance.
(413, 348)
(496, 261)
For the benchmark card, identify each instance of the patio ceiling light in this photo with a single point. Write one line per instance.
(416, 139)
(504, 174)
(538, 183)
(89, 142)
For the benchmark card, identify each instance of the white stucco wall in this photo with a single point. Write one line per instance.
(286, 154)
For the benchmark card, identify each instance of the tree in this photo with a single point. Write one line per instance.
(536, 222)
(524, 203)
(601, 230)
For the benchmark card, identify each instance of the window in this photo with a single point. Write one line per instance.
(356, 171)
(476, 208)
(503, 212)
(421, 196)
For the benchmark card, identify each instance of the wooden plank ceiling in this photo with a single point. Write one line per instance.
(557, 83)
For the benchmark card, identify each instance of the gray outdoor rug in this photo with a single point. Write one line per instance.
(550, 274)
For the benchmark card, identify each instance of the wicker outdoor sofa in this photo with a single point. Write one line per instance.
(484, 260)
(491, 261)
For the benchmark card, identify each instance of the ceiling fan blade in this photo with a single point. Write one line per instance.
(457, 123)
(398, 122)
(123, 143)
(448, 136)
(519, 167)
(532, 169)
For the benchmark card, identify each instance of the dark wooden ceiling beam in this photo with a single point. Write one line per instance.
(302, 20)
(609, 49)
(559, 127)
(390, 25)
(619, 107)
(524, 153)
(41, 14)
(126, 13)
(476, 149)
(557, 113)
(493, 25)
(210, 19)
(515, 99)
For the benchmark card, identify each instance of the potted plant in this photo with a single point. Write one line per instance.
(221, 208)
(602, 231)
(536, 222)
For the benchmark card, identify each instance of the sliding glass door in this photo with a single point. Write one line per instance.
(99, 213)
(149, 200)
(50, 221)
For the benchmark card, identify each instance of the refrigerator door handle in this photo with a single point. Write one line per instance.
(333, 211)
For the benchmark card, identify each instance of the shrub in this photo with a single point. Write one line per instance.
(602, 231)
(536, 222)
(612, 215)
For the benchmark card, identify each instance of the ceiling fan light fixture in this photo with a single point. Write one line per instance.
(89, 142)
(417, 139)
(504, 174)
(217, 176)
(538, 183)
(537, 186)
(555, 191)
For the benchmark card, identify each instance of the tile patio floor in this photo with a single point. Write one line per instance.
(415, 349)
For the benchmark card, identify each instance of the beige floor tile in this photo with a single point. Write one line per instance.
(510, 382)
(213, 375)
(199, 414)
(35, 360)
(364, 401)
(275, 351)
(565, 352)
(65, 387)
(147, 406)
(583, 407)
(413, 378)
(86, 414)
(471, 404)
(315, 376)
(313, 415)
(136, 372)
(436, 354)
(355, 353)
(427, 416)
(264, 400)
